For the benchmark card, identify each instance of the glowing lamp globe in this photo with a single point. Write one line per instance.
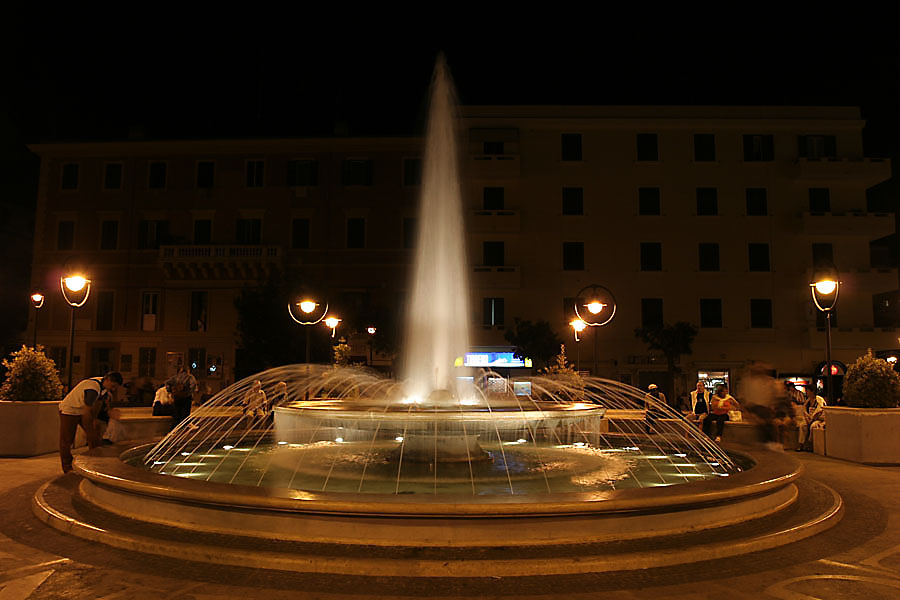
(595, 307)
(371, 330)
(826, 286)
(307, 306)
(75, 283)
(578, 325)
(332, 322)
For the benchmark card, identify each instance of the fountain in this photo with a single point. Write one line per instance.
(442, 458)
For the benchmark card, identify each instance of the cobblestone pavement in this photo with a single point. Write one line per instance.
(859, 558)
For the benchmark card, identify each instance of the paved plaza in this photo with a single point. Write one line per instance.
(858, 558)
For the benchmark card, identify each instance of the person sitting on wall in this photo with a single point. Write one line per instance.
(182, 386)
(81, 406)
(811, 417)
(700, 407)
(163, 403)
(652, 400)
(719, 405)
(255, 400)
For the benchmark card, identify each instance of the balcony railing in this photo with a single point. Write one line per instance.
(869, 225)
(220, 252)
(494, 221)
(864, 170)
(499, 277)
(219, 262)
(494, 166)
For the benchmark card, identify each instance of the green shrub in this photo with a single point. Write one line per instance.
(871, 383)
(30, 377)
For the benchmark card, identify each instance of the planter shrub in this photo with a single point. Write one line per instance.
(30, 377)
(871, 383)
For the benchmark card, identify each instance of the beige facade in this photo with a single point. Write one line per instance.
(517, 162)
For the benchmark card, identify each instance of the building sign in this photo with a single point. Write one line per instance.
(495, 360)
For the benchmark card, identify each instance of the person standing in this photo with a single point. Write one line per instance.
(182, 386)
(652, 400)
(719, 405)
(82, 406)
(700, 407)
(812, 414)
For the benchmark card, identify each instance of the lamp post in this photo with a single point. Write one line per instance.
(332, 322)
(595, 306)
(308, 309)
(371, 331)
(825, 291)
(76, 289)
(37, 301)
(577, 326)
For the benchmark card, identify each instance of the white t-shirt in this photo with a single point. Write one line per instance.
(163, 396)
(74, 402)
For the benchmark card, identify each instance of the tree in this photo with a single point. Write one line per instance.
(871, 383)
(536, 341)
(672, 341)
(342, 353)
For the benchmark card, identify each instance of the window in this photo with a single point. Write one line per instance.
(156, 179)
(492, 198)
(203, 231)
(757, 202)
(710, 312)
(707, 202)
(109, 235)
(816, 146)
(647, 147)
(651, 256)
(651, 313)
(759, 148)
(256, 173)
(199, 308)
(885, 311)
(65, 235)
(152, 234)
(758, 255)
(822, 255)
(571, 146)
(704, 147)
(356, 232)
(146, 362)
(248, 231)
(206, 174)
(300, 234)
(819, 200)
(69, 179)
(412, 171)
(356, 172)
(409, 232)
(492, 254)
(112, 176)
(709, 257)
(573, 201)
(149, 311)
(573, 256)
(648, 201)
(196, 360)
(302, 173)
(493, 148)
(492, 315)
(761, 313)
(104, 320)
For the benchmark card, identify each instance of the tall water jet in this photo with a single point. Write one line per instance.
(438, 318)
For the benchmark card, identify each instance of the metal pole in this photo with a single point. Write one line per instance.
(577, 357)
(828, 357)
(34, 340)
(71, 348)
(596, 372)
(307, 345)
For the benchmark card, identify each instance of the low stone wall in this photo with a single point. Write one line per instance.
(28, 428)
(864, 435)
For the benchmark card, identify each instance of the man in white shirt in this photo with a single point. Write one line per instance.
(81, 407)
(812, 415)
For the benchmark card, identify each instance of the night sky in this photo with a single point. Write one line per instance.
(166, 84)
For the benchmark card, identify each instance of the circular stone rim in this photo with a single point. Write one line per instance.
(107, 467)
(425, 414)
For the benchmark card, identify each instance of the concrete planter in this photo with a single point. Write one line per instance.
(29, 428)
(865, 435)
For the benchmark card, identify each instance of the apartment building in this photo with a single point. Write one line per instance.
(711, 215)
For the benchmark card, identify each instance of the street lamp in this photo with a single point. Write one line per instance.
(577, 326)
(333, 323)
(76, 289)
(37, 301)
(595, 306)
(825, 290)
(308, 308)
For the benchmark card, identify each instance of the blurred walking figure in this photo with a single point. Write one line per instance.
(652, 413)
(811, 417)
(766, 404)
(700, 407)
